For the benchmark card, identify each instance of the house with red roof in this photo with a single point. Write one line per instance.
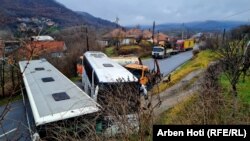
(41, 48)
(133, 36)
(160, 38)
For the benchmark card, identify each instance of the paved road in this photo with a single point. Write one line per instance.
(14, 126)
(169, 64)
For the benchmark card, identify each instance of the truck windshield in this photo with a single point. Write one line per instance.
(158, 49)
(135, 72)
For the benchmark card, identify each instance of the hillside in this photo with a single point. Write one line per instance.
(95, 20)
(13, 12)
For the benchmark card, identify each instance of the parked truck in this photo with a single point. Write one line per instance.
(161, 52)
(184, 45)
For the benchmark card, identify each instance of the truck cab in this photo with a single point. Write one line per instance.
(139, 71)
(160, 52)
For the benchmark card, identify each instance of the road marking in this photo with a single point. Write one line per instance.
(8, 132)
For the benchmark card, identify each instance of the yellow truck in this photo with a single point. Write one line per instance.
(184, 45)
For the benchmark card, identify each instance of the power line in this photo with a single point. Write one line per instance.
(219, 26)
(235, 14)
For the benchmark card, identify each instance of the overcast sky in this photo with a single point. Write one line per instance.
(134, 12)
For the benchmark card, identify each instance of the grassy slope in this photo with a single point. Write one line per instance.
(243, 88)
(179, 113)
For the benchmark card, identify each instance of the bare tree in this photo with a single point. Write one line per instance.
(209, 94)
(78, 40)
(231, 57)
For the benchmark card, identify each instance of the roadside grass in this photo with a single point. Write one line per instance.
(200, 61)
(178, 112)
(242, 115)
(4, 101)
(191, 111)
(242, 87)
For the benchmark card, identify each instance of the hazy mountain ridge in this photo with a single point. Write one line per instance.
(209, 25)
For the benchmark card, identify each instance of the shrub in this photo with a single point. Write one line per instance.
(125, 50)
(144, 43)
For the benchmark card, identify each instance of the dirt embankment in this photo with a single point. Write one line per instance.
(175, 94)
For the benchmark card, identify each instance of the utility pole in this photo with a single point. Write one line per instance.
(153, 32)
(117, 42)
(85, 30)
(87, 39)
